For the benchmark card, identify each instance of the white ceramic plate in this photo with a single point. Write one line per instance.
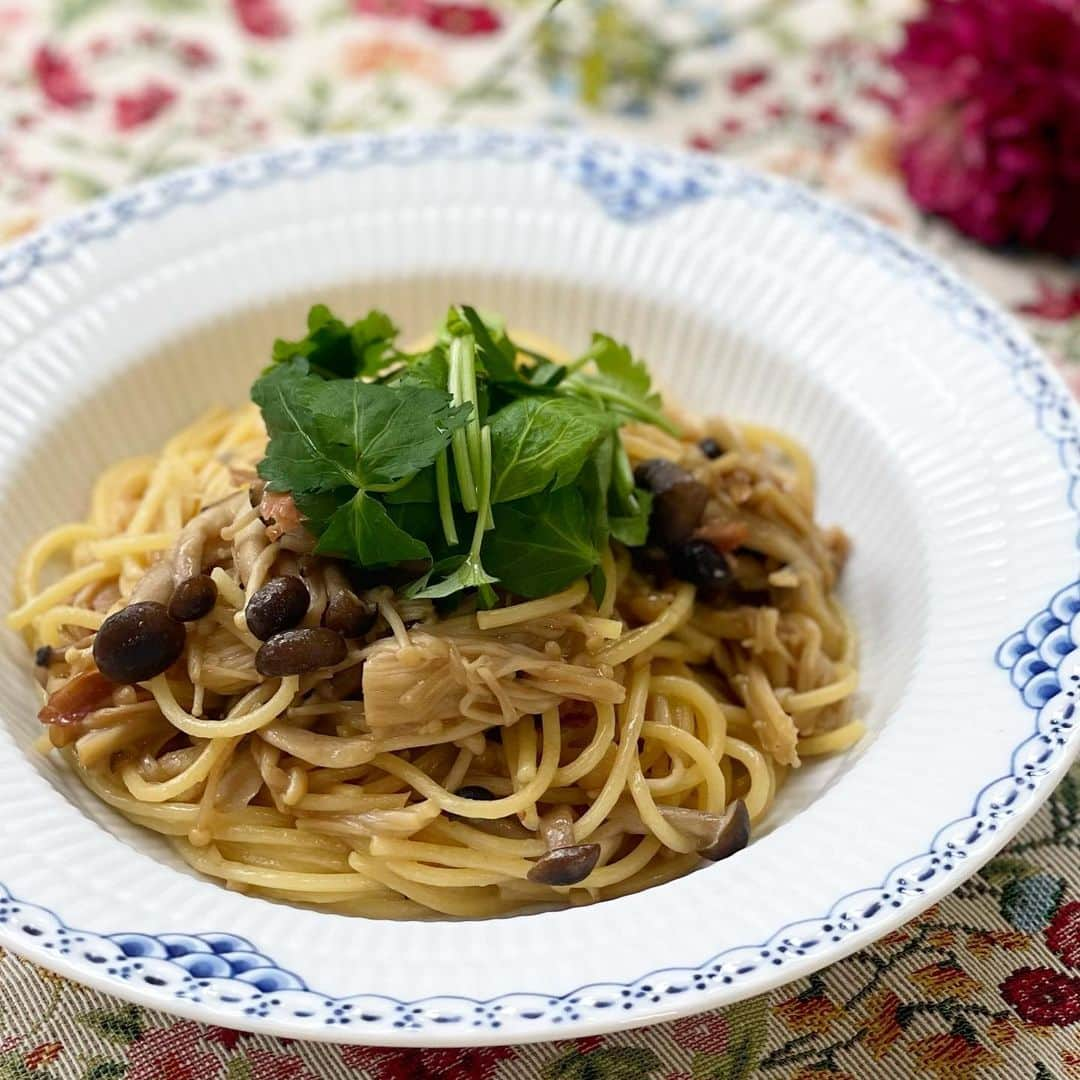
(945, 446)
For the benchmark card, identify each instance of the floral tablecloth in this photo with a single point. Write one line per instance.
(96, 93)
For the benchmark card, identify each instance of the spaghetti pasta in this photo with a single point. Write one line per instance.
(548, 751)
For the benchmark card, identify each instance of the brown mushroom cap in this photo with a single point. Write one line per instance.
(678, 499)
(193, 598)
(565, 865)
(279, 605)
(138, 642)
(296, 652)
(732, 833)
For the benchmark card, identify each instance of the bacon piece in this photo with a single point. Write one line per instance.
(725, 536)
(77, 698)
(279, 513)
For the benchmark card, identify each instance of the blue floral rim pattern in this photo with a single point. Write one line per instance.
(631, 185)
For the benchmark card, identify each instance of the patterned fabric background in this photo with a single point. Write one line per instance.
(96, 93)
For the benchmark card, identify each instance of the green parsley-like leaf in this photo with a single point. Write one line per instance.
(298, 457)
(540, 443)
(362, 530)
(338, 351)
(620, 381)
(633, 529)
(392, 431)
(541, 544)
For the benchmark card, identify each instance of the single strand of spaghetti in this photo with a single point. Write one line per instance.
(294, 860)
(141, 544)
(632, 717)
(443, 877)
(196, 773)
(296, 787)
(446, 901)
(43, 549)
(269, 836)
(757, 768)
(823, 695)
(832, 742)
(655, 872)
(591, 756)
(445, 855)
(496, 808)
(355, 802)
(237, 722)
(533, 609)
(60, 590)
(200, 834)
(609, 569)
(642, 637)
(629, 864)
(479, 840)
(49, 624)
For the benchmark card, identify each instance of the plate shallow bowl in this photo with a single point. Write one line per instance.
(943, 443)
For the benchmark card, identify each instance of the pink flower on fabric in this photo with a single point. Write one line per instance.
(172, 1053)
(462, 20)
(746, 79)
(262, 18)
(989, 119)
(1056, 305)
(458, 20)
(59, 79)
(706, 1033)
(138, 108)
(194, 54)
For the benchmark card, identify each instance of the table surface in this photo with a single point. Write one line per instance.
(97, 93)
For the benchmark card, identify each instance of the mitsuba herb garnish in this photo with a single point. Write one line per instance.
(490, 464)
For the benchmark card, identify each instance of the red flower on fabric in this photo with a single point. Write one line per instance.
(1042, 996)
(171, 1053)
(59, 79)
(746, 79)
(45, 1054)
(1063, 933)
(226, 1036)
(266, 1065)
(262, 18)
(138, 108)
(707, 1033)
(473, 1063)
(194, 54)
(989, 120)
(458, 20)
(1055, 305)
(462, 20)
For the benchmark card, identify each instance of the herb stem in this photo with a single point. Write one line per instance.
(446, 507)
(395, 486)
(459, 440)
(466, 346)
(483, 515)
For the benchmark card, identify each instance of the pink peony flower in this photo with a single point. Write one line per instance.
(134, 110)
(262, 18)
(989, 123)
(60, 80)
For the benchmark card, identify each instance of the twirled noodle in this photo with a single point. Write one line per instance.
(354, 789)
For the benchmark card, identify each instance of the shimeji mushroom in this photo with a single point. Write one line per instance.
(345, 612)
(717, 835)
(565, 862)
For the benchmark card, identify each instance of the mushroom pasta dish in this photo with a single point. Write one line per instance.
(466, 629)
